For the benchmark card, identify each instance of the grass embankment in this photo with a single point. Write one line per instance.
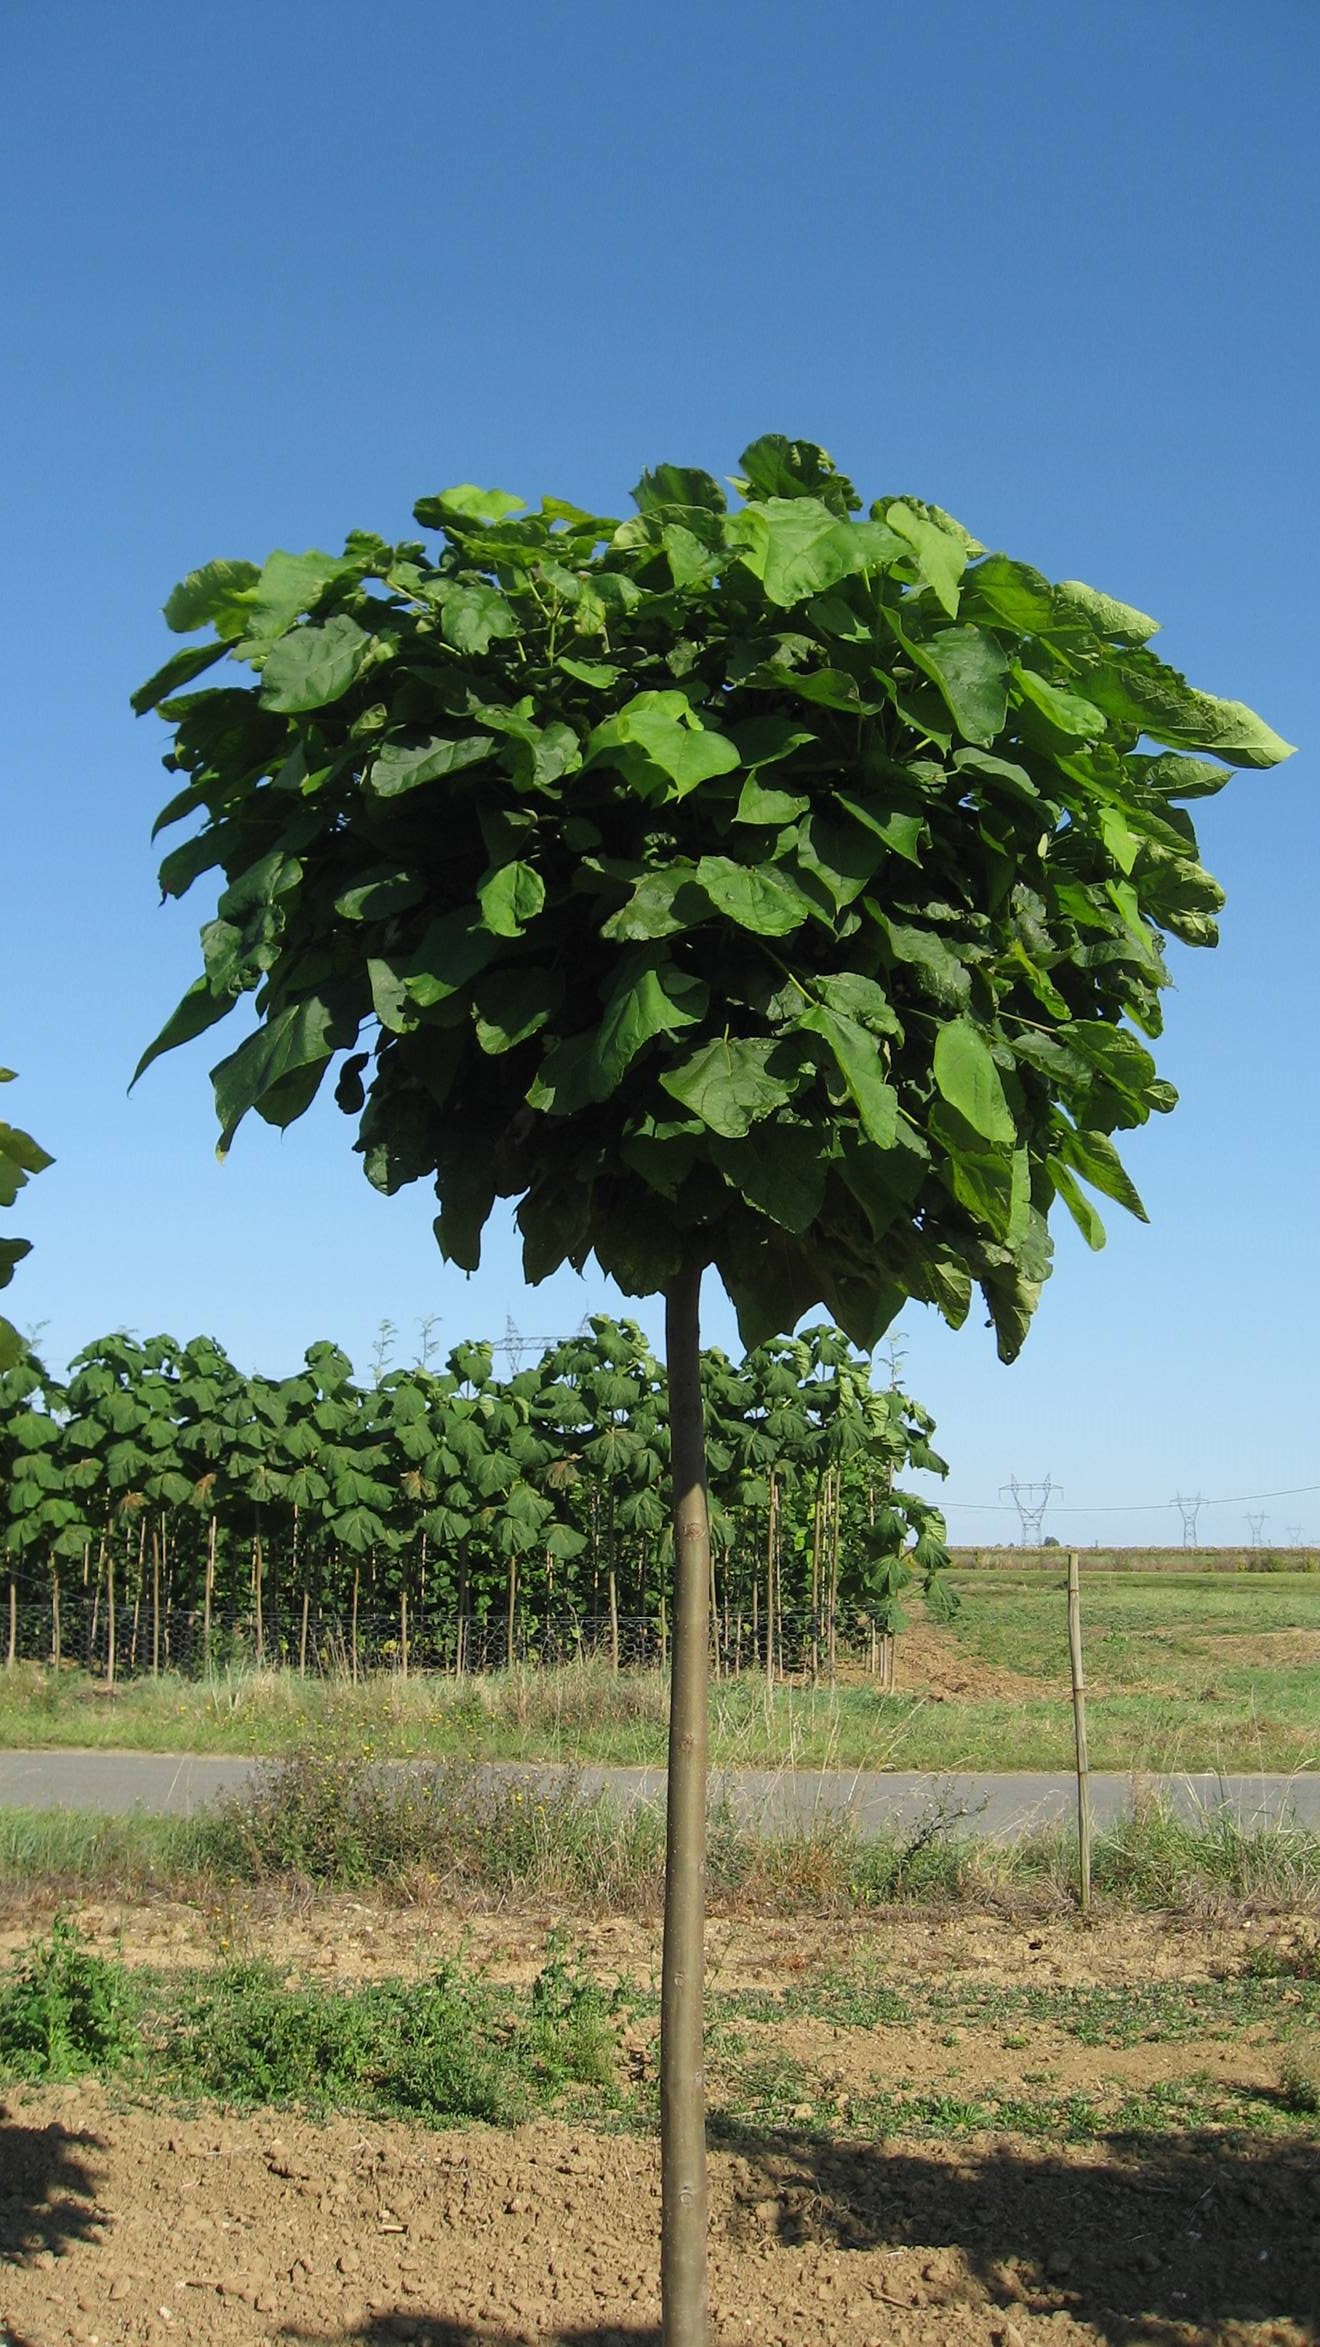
(1185, 1671)
(327, 1820)
(852, 2051)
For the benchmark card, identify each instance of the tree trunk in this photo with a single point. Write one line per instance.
(614, 1615)
(12, 1656)
(353, 1650)
(110, 1615)
(513, 1600)
(302, 1643)
(403, 1630)
(683, 2219)
(54, 1614)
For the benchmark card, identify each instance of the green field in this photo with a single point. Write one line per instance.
(1185, 1671)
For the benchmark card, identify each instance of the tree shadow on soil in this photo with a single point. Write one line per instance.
(1143, 2240)
(47, 2191)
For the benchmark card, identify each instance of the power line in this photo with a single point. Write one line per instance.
(1236, 1499)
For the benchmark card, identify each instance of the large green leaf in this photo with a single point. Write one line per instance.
(966, 1076)
(403, 766)
(219, 596)
(289, 585)
(1068, 713)
(199, 1009)
(796, 547)
(941, 557)
(661, 731)
(761, 898)
(1107, 617)
(191, 661)
(314, 665)
(304, 1035)
(472, 617)
(730, 1085)
(1094, 1157)
(971, 671)
(862, 1066)
(510, 897)
(1137, 690)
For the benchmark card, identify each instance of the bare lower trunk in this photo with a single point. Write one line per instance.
(209, 1596)
(682, 1994)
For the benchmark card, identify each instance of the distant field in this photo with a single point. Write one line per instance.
(1185, 1671)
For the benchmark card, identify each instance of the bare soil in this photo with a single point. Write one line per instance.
(121, 2221)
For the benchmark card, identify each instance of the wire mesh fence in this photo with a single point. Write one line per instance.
(80, 1633)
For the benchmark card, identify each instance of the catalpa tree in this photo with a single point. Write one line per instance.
(20, 1156)
(779, 889)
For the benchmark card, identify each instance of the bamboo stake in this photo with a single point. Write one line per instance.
(403, 1630)
(353, 1645)
(1079, 1724)
(210, 1591)
(302, 1642)
(12, 1657)
(110, 1616)
(54, 1614)
(155, 1603)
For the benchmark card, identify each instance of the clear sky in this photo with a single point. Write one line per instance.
(271, 272)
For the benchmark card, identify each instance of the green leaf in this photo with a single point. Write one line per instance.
(598, 673)
(862, 999)
(1116, 620)
(774, 466)
(661, 731)
(644, 1003)
(219, 596)
(1095, 1158)
(1078, 1204)
(972, 674)
(1181, 778)
(730, 1086)
(512, 1004)
(314, 665)
(862, 1067)
(180, 670)
(966, 1076)
(472, 617)
(779, 1169)
(199, 1009)
(662, 903)
(465, 504)
(796, 547)
(1137, 690)
(1014, 592)
(941, 557)
(289, 585)
(306, 1034)
(760, 898)
(670, 485)
(1068, 713)
(756, 804)
(688, 558)
(901, 833)
(404, 766)
(510, 897)
(379, 900)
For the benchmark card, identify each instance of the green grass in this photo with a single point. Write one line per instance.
(451, 2048)
(441, 2050)
(1175, 1684)
(327, 1819)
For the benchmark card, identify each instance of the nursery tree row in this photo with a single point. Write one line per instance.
(161, 1505)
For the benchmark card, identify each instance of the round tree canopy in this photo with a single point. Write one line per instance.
(771, 886)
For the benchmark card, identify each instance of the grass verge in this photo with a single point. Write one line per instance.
(327, 1819)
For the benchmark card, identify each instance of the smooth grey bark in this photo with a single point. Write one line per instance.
(683, 2220)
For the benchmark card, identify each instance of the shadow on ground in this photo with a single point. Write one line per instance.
(1146, 2242)
(47, 2190)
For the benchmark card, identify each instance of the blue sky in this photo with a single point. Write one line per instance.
(273, 272)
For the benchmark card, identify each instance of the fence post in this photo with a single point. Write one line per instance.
(12, 1656)
(1079, 1725)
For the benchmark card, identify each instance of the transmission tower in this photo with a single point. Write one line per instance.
(1031, 1501)
(1255, 1525)
(1295, 1535)
(1189, 1509)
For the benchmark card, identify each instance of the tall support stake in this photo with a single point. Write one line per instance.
(1079, 1726)
(683, 2212)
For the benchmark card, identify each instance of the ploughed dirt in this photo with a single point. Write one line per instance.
(930, 1664)
(123, 2221)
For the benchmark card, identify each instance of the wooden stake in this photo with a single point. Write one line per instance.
(403, 1631)
(1079, 1724)
(12, 1656)
(302, 1643)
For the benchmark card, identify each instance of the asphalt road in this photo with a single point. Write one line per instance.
(994, 1806)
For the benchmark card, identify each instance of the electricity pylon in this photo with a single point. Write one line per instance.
(1031, 1501)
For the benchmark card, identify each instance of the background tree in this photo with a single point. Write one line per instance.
(772, 889)
(20, 1156)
